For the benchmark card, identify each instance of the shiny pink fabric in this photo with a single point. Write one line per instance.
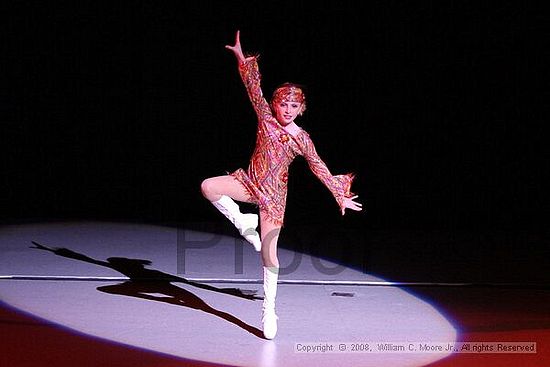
(266, 178)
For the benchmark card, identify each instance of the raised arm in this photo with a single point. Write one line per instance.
(339, 186)
(250, 74)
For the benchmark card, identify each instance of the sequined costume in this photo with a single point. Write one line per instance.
(266, 178)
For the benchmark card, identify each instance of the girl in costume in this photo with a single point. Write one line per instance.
(278, 141)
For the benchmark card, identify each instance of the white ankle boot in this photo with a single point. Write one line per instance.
(245, 223)
(269, 318)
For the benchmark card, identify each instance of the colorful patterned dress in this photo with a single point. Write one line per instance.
(266, 178)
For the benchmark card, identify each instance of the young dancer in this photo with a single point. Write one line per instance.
(278, 141)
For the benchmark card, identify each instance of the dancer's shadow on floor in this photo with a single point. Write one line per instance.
(144, 282)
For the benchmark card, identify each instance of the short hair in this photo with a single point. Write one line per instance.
(291, 92)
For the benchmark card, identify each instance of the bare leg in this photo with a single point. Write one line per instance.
(221, 191)
(213, 188)
(270, 236)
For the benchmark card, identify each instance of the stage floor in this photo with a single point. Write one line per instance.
(163, 296)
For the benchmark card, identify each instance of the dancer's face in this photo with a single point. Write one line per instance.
(286, 111)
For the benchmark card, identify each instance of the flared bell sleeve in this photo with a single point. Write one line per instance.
(339, 185)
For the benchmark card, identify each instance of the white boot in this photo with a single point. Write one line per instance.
(245, 223)
(269, 318)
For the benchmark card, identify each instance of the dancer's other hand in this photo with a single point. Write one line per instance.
(237, 50)
(349, 203)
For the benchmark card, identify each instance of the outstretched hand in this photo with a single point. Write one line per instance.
(237, 50)
(349, 203)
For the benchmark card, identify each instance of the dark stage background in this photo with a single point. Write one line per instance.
(118, 110)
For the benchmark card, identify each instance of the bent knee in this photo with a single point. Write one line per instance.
(205, 187)
(208, 188)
